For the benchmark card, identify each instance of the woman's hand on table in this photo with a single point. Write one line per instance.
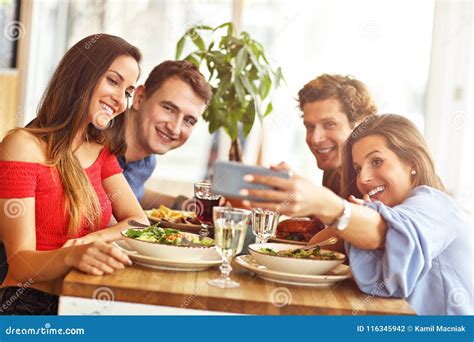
(89, 238)
(96, 258)
(72, 242)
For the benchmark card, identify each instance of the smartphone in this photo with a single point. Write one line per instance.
(228, 179)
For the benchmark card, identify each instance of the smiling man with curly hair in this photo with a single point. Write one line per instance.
(332, 106)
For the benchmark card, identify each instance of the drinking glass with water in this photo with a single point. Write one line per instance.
(230, 225)
(264, 224)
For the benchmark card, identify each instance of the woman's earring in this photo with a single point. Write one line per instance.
(413, 172)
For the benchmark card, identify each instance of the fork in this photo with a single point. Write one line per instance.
(137, 224)
(331, 241)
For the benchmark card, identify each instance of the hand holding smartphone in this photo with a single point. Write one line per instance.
(228, 179)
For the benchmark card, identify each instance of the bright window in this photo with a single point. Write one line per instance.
(385, 44)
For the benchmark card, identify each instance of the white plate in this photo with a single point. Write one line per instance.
(162, 264)
(172, 252)
(293, 265)
(337, 274)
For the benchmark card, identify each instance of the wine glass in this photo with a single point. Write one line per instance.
(264, 224)
(205, 201)
(230, 225)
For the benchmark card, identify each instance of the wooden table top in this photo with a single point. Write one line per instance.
(138, 284)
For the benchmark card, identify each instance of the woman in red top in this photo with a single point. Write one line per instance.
(60, 181)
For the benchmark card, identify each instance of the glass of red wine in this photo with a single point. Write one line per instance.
(205, 200)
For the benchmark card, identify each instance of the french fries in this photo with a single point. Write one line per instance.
(165, 213)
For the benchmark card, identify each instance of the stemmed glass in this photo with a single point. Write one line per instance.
(230, 225)
(205, 200)
(264, 224)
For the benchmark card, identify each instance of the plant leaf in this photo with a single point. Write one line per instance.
(224, 85)
(255, 62)
(192, 59)
(222, 25)
(241, 61)
(249, 86)
(216, 119)
(230, 29)
(179, 47)
(278, 77)
(268, 110)
(265, 86)
(240, 74)
(232, 129)
(197, 39)
(258, 104)
(249, 118)
(214, 125)
(203, 27)
(239, 89)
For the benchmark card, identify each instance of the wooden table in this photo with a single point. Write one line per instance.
(140, 290)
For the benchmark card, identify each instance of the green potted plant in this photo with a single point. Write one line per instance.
(240, 74)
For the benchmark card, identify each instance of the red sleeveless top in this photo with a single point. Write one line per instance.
(24, 180)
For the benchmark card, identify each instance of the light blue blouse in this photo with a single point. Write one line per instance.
(427, 258)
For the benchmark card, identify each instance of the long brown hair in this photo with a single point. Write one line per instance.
(403, 138)
(61, 115)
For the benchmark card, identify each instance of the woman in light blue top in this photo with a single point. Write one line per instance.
(405, 237)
